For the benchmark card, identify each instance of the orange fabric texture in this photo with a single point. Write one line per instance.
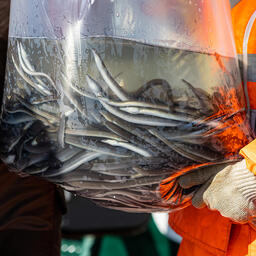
(206, 229)
(241, 243)
(206, 232)
(251, 87)
(241, 15)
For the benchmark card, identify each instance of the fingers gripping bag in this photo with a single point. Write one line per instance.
(113, 100)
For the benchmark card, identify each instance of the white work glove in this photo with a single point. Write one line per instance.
(229, 189)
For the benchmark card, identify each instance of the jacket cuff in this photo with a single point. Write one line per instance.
(249, 153)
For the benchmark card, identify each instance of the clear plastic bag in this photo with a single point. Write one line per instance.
(110, 98)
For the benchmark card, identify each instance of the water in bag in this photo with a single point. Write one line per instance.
(103, 121)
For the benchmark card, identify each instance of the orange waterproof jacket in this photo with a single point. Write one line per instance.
(206, 232)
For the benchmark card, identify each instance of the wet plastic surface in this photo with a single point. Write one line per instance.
(110, 117)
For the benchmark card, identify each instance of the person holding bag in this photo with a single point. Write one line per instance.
(221, 220)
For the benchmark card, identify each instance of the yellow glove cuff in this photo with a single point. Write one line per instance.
(249, 153)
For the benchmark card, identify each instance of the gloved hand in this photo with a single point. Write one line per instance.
(230, 189)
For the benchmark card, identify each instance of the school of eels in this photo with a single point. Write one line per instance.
(128, 143)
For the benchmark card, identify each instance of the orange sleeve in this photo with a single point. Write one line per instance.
(249, 153)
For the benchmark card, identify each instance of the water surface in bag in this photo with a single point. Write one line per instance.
(107, 114)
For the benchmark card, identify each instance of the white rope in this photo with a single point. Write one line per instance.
(245, 58)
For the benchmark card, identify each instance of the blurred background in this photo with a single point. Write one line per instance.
(90, 230)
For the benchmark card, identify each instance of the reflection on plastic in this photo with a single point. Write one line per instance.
(193, 25)
(109, 114)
